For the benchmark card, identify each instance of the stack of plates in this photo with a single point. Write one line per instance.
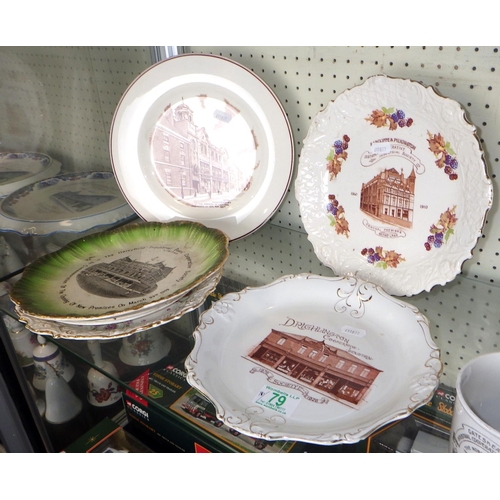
(17, 169)
(118, 282)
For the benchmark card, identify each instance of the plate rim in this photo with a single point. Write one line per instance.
(216, 221)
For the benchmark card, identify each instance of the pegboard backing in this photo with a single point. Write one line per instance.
(61, 100)
(305, 79)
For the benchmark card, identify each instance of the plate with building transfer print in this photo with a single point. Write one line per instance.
(392, 185)
(135, 268)
(73, 202)
(17, 169)
(314, 359)
(200, 137)
(123, 327)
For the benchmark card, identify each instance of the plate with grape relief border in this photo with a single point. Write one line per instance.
(313, 359)
(392, 185)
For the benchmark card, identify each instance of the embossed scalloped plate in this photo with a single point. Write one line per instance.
(17, 169)
(133, 268)
(392, 185)
(200, 137)
(347, 357)
(73, 202)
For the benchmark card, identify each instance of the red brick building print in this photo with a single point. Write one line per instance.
(389, 196)
(325, 368)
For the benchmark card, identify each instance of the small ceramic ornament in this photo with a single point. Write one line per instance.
(102, 390)
(145, 348)
(45, 353)
(61, 404)
(23, 340)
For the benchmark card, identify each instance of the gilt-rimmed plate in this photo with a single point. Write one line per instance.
(315, 359)
(122, 328)
(72, 202)
(200, 137)
(120, 270)
(392, 185)
(134, 314)
(17, 169)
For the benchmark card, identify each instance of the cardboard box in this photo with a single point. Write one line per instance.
(439, 410)
(426, 430)
(182, 418)
(107, 437)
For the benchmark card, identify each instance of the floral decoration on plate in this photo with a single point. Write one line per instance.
(446, 157)
(382, 258)
(389, 117)
(442, 230)
(337, 156)
(336, 214)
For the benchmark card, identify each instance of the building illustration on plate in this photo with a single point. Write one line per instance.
(389, 197)
(188, 164)
(325, 368)
(76, 202)
(122, 278)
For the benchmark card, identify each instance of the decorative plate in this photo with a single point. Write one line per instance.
(120, 270)
(200, 137)
(157, 307)
(392, 185)
(78, 201)
(122, 328)
(308, 358)
(19, 169)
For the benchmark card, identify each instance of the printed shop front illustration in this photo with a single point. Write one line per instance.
(325, 368)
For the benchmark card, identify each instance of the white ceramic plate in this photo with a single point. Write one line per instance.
(122, 328)
(17, 169)
(392, 185)
(120, 271)
(339, 355)
(72, 202)
(200, 137)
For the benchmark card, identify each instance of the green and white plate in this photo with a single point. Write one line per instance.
(121, 270)
(123, 327)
